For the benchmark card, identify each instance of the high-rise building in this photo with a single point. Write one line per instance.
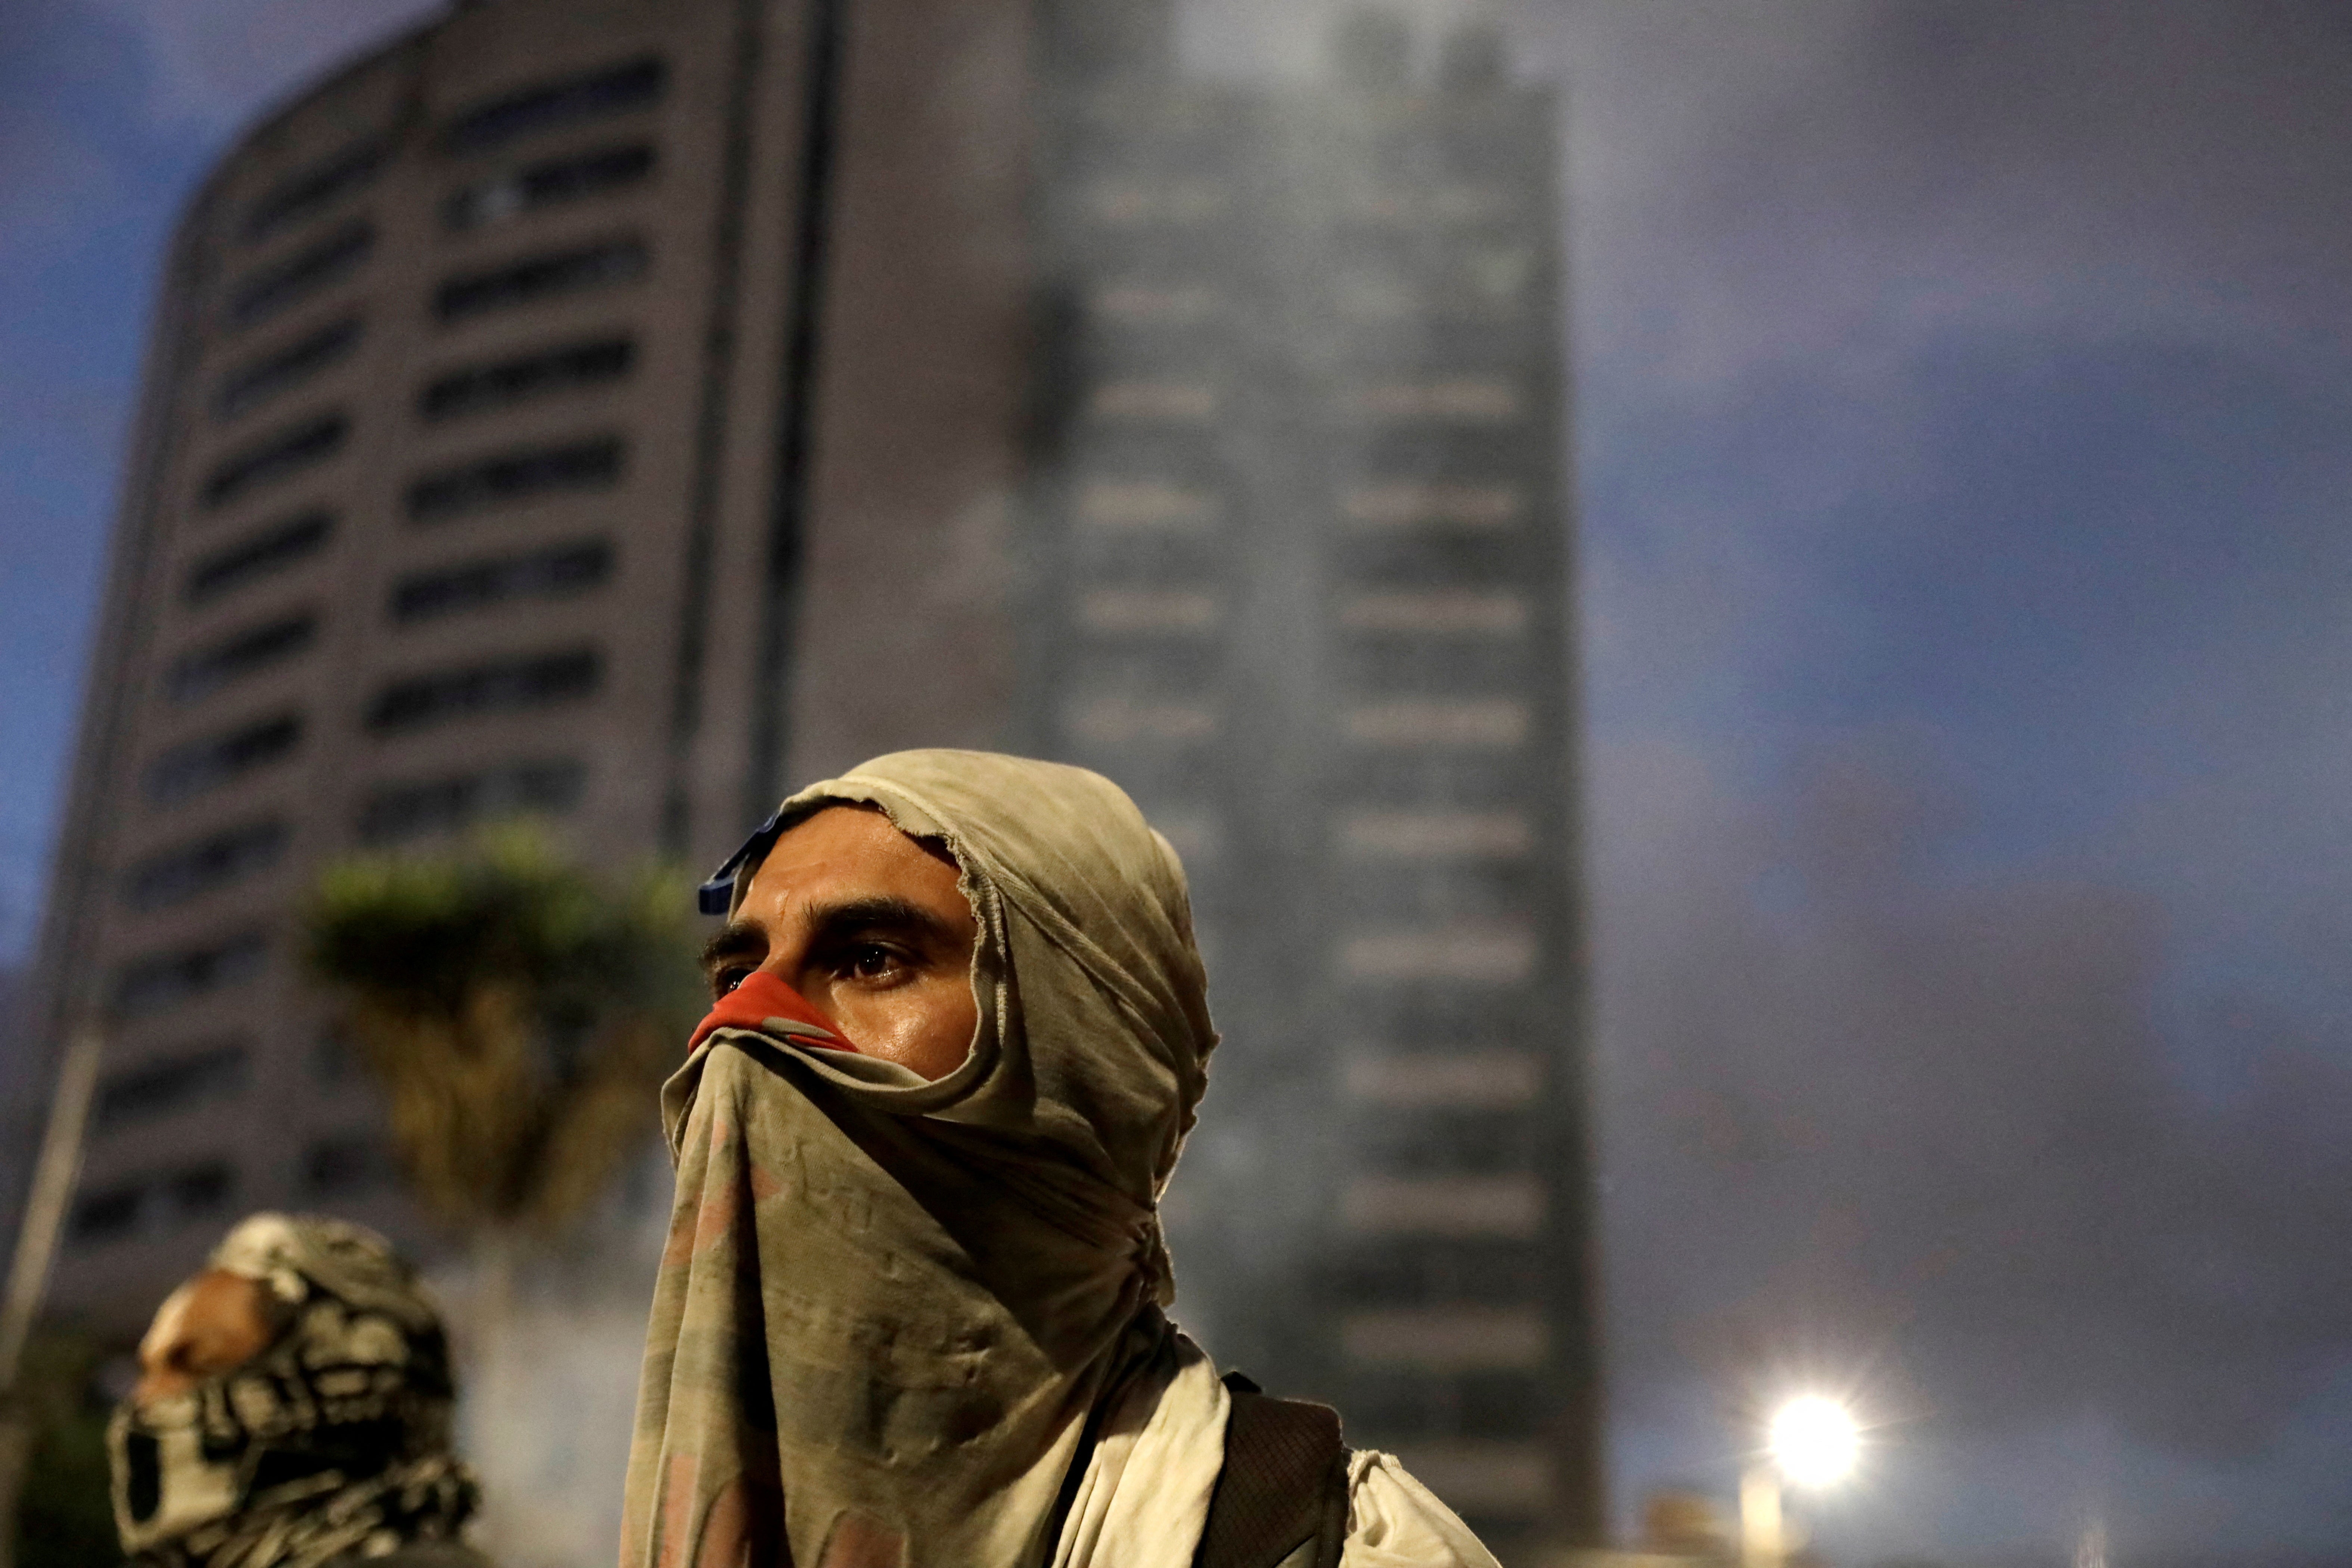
(1298, 548)
(489, 462)
(617, 409)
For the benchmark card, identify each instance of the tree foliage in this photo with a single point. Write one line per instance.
(519, 1013)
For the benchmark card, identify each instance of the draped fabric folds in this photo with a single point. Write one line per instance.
(887, 1306)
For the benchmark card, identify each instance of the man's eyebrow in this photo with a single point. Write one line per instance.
(883, 911)
(733, 940)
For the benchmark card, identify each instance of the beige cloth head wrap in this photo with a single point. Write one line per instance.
(888, 1305)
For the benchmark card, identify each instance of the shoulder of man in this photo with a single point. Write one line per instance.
(1281, 1499)
(1291, 1496)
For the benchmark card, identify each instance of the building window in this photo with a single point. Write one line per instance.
(341, 1167)
(1147, 611)
(1434, 835)
(508, 686)
(1455, 1338)
(263, 293)
(1176, 204)
(510, 478)
(159, 1089)
(599, 95)
(1510, 1207)
(601, 266)
(191, 770)
(552, 183)
(1447, 1080)
(1122, 721)
(1456, 400)
(539, 575)
(256, 382)
(397, 813)
(1456, 613)
(1153, 402)
(1472, 954)
(285, 454)
(178, 875)
(200, 674)
(480, 388)
(1415, 504)
(151, 986)
(1145, 506)
(312, 191)
(1497, 723)
(155, 1203)
(257, 555)
(1145, 304)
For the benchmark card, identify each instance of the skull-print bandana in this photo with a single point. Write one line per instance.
(333, 1442)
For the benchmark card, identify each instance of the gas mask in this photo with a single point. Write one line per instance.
(333, 1439)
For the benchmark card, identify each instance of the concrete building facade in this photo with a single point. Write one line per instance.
(484, 467)
(1298, 551)
(616, 410)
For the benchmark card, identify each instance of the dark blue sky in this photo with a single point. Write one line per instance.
(1966, 442)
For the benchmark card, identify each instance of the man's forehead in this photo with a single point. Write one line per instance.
(844, 852)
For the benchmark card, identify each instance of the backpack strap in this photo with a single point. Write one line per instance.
(1282, 1497)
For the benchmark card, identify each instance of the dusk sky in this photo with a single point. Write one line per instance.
(1965, 436)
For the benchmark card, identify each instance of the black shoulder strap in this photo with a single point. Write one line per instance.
(1285, 1485)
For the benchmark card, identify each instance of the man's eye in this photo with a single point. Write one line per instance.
(725, 980)
(872, 962)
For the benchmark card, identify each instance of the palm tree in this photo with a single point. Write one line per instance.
(519, 1015)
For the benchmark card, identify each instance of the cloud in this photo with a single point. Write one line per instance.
(1859, 1117)
(213, 66)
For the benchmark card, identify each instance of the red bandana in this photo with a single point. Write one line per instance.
(764, 1002)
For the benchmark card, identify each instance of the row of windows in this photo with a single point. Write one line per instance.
(277, 457)
(553, 571)
(563, 368)
(508, 477)
(600, 94)
(1150, 506)
(552, 182)
(502, 686)
(310, 192)
(511, 685)
(154, 1090)
(1414, 723)
(152, 984)
(1462, 400)
(477, 389)
(271, 549)
(156, 1203)
(307, 193)
(397, 813)
(391, 813)
(606, 263)
(273, 290)
(337, 1167)
(248, 385)
(174, 876)
(199, 674)
(1451, 612)
(600, 265)
(199, 766)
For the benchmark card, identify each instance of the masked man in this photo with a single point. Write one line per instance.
(909, 1315)
(292, 1410)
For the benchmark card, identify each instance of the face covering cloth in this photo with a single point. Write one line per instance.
(333, 1442)
(888, 1307)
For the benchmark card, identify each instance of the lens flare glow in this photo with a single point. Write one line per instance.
(1814, 1440)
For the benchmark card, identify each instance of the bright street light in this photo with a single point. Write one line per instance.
(1814, 1440)
(1811, 1441)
